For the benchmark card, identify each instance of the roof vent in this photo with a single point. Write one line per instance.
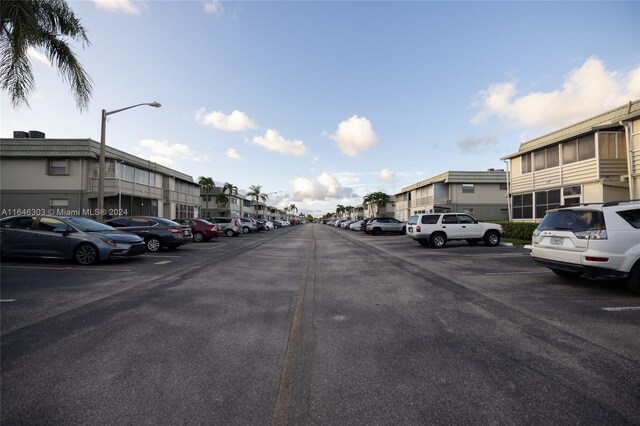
(35, 134)
(19, 134)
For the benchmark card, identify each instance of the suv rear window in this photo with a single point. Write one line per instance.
(430, 219)
(631, 216)
(572, 220)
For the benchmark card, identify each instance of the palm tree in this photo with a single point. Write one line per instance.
(222, 199)
(381, 200)
(46, 25)
(207, 184)
(368, 201)
(293, 209)
(339, 210)
(229, 188)
(255, 192)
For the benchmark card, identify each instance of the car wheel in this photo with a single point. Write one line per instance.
(472, 242)
(492, 238)
(198, 237)
(569, 275)
(423, 243)
(86, 254)
(153, 245)
(632, 282)
(229, 233)
(246, 230)
(376, 231)
(404, 230)
(438, 240)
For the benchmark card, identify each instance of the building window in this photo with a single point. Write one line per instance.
(546, 200)
(569, 152)
(57, 167)
(611, 146)
(522, 206)
(468, 188)
(58, 202)
(525, 163)
(586, 148)
(503, 187)
(571, 195)
(468, 210)
(547, 158)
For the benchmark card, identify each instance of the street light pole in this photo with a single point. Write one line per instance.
(101, 167)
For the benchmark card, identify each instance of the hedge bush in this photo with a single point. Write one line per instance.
(517, 230)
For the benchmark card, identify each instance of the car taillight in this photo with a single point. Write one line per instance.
(175, 230)
(418, 228)
(596, 234)
(596, 259)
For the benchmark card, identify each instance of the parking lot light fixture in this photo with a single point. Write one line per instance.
(101, 166)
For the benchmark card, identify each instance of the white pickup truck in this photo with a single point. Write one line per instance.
(435, 229)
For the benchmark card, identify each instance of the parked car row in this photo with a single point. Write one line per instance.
(600, 240)
(88, 241)
(430, 229)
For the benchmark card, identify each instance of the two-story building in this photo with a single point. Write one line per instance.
(61, 176)
(593, 161)
(479, 193)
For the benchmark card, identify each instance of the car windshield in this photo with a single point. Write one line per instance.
(572, 220)
(89, 225)
(205, 222)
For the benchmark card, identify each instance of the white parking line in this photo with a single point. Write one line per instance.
(66, 268)
(7, 300)
(622, 308)
(162, 262)
(512, 273)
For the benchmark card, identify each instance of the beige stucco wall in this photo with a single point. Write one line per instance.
(31, 174)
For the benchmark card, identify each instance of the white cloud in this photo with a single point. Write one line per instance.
(39, 57)
(355, 136)
(387, 175)
(474, 145)
(233, 154)
(213, 7)
(587, 91)
(273, 141)
(164, 148)
(237, 121)
(130, 7)
(323, 187)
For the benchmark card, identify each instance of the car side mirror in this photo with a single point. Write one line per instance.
(61, 230)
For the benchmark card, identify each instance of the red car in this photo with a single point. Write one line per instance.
(201, 229)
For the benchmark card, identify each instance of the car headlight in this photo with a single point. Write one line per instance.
(109, 242)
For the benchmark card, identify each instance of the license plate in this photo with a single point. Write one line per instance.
(554, 241)
(186, 233)
(411, 229)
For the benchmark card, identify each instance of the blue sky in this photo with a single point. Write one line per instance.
(325, 102)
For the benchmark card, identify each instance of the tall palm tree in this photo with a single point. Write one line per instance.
(368, 201)
(207, 184)
(381, 200)
(46, 25)
(255, 192)
(223, 200)
(230, 189)
(293, 209)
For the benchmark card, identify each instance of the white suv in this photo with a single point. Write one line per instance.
(600, 240)
(436, 229)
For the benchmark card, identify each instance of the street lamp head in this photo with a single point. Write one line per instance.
(155, 104)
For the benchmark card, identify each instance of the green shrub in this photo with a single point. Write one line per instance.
(517, 230)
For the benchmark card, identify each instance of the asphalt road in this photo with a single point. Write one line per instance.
(316, 325)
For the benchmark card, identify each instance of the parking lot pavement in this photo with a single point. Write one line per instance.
(344, 328)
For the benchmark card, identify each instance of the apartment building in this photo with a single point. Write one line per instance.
(61, 176)
(593, 161)
(482, 194)
(213, 206)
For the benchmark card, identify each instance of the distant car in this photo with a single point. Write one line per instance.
(249, 225)
(277, 224)
(598, 240)
(269, 225)
(261, 225)
(83, 240)
(356, 226)
(201, 229)
(435, 229)
(157, 232)
(230, 226)
(381, 225)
